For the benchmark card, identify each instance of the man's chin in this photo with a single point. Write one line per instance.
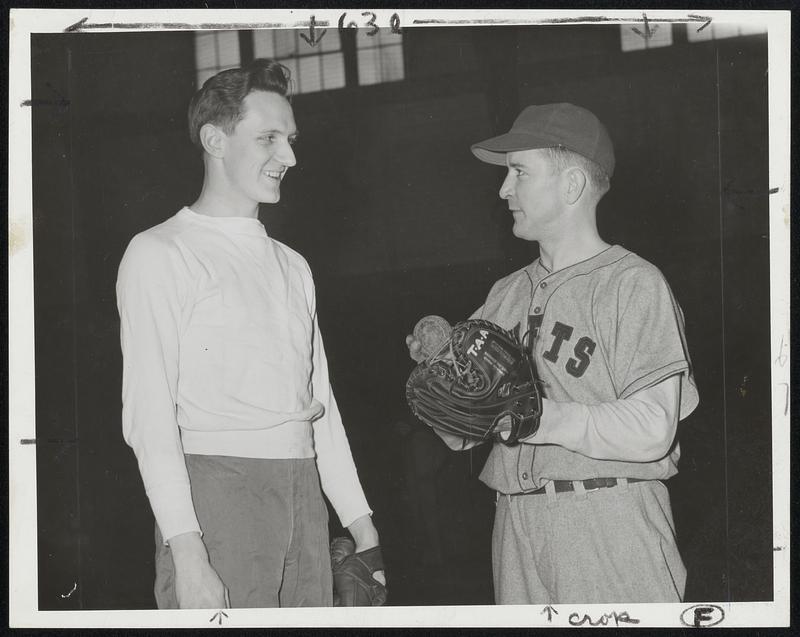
(271, 196)
(520, 233)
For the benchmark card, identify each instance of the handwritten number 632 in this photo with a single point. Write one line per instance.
(394, 23)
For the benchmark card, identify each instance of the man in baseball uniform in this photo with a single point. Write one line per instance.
(582, 512)
(226, 398)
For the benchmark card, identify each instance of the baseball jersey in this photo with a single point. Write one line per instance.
(600, 330)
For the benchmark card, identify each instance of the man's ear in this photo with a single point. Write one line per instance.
(213, 140)
(575, 183)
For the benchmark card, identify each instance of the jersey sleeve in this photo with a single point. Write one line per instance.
(151, 291)
(648, 343)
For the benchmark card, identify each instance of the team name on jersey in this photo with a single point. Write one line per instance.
(580, 357)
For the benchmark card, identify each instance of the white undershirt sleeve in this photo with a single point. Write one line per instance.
(337, 471)
(639, 428)
(149, 292)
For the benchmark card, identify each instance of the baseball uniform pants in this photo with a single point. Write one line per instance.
(610, 545)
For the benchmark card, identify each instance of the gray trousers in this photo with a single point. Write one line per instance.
(265, 525)
(611, 545)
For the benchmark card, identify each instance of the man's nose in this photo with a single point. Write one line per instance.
(286, 155)
(506, 187)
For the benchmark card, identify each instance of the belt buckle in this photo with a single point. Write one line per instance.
(598, 487)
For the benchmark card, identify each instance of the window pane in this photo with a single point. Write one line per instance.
(309, 75)
(284, 42)
(263, 43)
(205, 51)
(305, 48)
(392, 63)
(228, 44)
(333, 70)
(369, 66)
(203, 75)
(693, 35)
(630, 40)
(725, 30)
(331, 41)
(291, 64)
(364, 40)
(388, 37)
(660, 35)
(752, 29)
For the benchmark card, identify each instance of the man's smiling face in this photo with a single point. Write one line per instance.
(258, 151)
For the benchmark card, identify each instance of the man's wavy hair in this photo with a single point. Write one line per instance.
(219, 101)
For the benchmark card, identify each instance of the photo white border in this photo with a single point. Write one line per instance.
(23, 568)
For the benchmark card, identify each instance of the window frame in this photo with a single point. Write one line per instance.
(348, 49)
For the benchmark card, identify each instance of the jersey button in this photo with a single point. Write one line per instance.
(543, 285)
(537, 310)
(524, 476)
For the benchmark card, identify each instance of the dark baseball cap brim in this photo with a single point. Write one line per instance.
(495, 149)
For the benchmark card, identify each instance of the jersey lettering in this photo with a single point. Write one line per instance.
(583, 351)
(562, 333)
(529, 338)
(534, 323)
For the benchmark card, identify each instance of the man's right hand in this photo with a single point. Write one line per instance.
(415, 348)
(197, 584)
(430, 334)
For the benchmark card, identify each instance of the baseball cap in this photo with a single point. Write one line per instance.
(548, 125)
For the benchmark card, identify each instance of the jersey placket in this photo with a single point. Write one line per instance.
(527, 452)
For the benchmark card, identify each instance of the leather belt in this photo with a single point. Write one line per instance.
(592, 484)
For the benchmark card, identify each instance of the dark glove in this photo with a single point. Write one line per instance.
(481, 385)
(353, 583)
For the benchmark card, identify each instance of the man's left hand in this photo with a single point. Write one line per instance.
(358, 566)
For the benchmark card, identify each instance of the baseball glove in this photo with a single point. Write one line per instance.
(353, 584)
(480, 385)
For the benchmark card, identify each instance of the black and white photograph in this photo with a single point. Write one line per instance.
(326, 317)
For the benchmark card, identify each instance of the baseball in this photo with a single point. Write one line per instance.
(432, 331)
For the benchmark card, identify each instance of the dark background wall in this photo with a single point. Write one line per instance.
(398, 220)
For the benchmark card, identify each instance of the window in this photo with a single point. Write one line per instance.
(717, 31)
(334, 62)
(314, 68)
(645, 36)
(215, 51)
(655, 34)
(380, 56)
